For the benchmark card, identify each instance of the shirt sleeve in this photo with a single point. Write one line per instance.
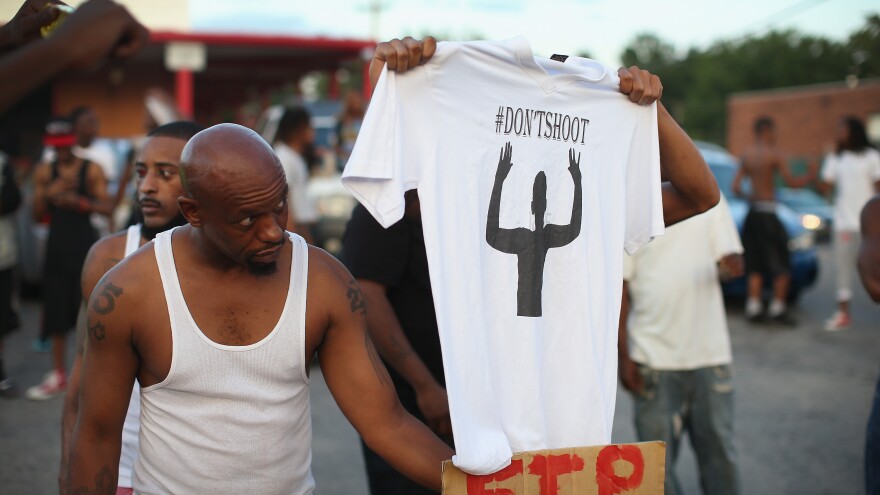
(395, 143)
(644, 201)
(829, 169)
(374, 253)
(724, 235)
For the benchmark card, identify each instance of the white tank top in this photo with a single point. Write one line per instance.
(229, 419)
(133, 416)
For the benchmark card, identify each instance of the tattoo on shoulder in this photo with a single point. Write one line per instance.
(105, 302)
(97, 331)
(104, 484)
(356, 298)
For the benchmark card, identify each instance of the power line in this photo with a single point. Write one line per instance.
(775, 18)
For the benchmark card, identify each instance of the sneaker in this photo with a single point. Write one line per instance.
(41, 345)
(757, 318)
(53, 384)
(838, 321)
(8, 389)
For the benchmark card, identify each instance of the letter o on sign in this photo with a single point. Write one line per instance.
(608, 482)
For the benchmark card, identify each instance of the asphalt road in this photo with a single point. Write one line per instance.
(802, 403)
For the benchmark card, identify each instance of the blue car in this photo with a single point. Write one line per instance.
(801, 244)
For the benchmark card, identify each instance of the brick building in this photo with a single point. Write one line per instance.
(806, 116)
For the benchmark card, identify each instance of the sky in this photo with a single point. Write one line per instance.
(601, 28)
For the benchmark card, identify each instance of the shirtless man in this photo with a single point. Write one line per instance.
(158, 186)
(218, 321)
(764, 237)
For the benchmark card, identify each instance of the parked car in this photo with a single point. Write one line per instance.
(815, 211)
(801, 244)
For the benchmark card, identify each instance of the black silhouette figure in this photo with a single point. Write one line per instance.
(531, 246)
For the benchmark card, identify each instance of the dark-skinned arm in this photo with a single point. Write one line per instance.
(101, 258)
(628, 370)
(362, 388)
(97, 30)
(108, 374)
(392, 344)
(689, 187)
(869, 252)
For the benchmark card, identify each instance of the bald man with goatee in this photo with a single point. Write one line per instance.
(218, 321)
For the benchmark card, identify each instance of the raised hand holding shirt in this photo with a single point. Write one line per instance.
(533, 176)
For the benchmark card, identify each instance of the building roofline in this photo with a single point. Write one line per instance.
(798, 91)
(245, 39)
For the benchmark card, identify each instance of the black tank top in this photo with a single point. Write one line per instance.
(70, 231)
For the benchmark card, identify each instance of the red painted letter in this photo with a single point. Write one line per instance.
(611, 484)
(476, 485)
(549, 469)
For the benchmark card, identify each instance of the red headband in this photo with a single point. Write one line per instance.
(59, 140)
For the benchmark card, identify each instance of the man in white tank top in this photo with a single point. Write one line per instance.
(218, 321)
(158, 187)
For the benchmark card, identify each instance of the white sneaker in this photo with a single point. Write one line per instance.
(53, 384)
(838, 321)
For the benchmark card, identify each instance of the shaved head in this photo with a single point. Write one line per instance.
(236, 195)
(224, 157)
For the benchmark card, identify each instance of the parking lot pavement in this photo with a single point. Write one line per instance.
(802, 402)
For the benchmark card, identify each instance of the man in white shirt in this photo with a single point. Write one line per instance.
(294, 144)
(674, 348)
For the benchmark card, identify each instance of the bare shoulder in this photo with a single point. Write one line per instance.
(103, 255)
(326, 272)
(132, 281)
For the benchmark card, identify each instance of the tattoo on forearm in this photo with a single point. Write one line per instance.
(356, 298)
(97, 331)
(376, 361)
(104, 484)
(105, 303)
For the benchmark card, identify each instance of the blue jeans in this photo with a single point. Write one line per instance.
(699, 401)
(872, 448)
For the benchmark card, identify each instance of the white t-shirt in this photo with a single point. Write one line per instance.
(854, 176)
(103, 155)
(677, 319)
(301, 206)
(517, 383)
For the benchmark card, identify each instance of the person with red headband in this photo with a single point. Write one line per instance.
(68, 190)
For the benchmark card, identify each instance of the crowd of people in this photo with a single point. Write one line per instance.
(221, 211)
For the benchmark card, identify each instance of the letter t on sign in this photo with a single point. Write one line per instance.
(476, 485)
(550, 468)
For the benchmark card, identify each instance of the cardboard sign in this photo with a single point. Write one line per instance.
(625, 469)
